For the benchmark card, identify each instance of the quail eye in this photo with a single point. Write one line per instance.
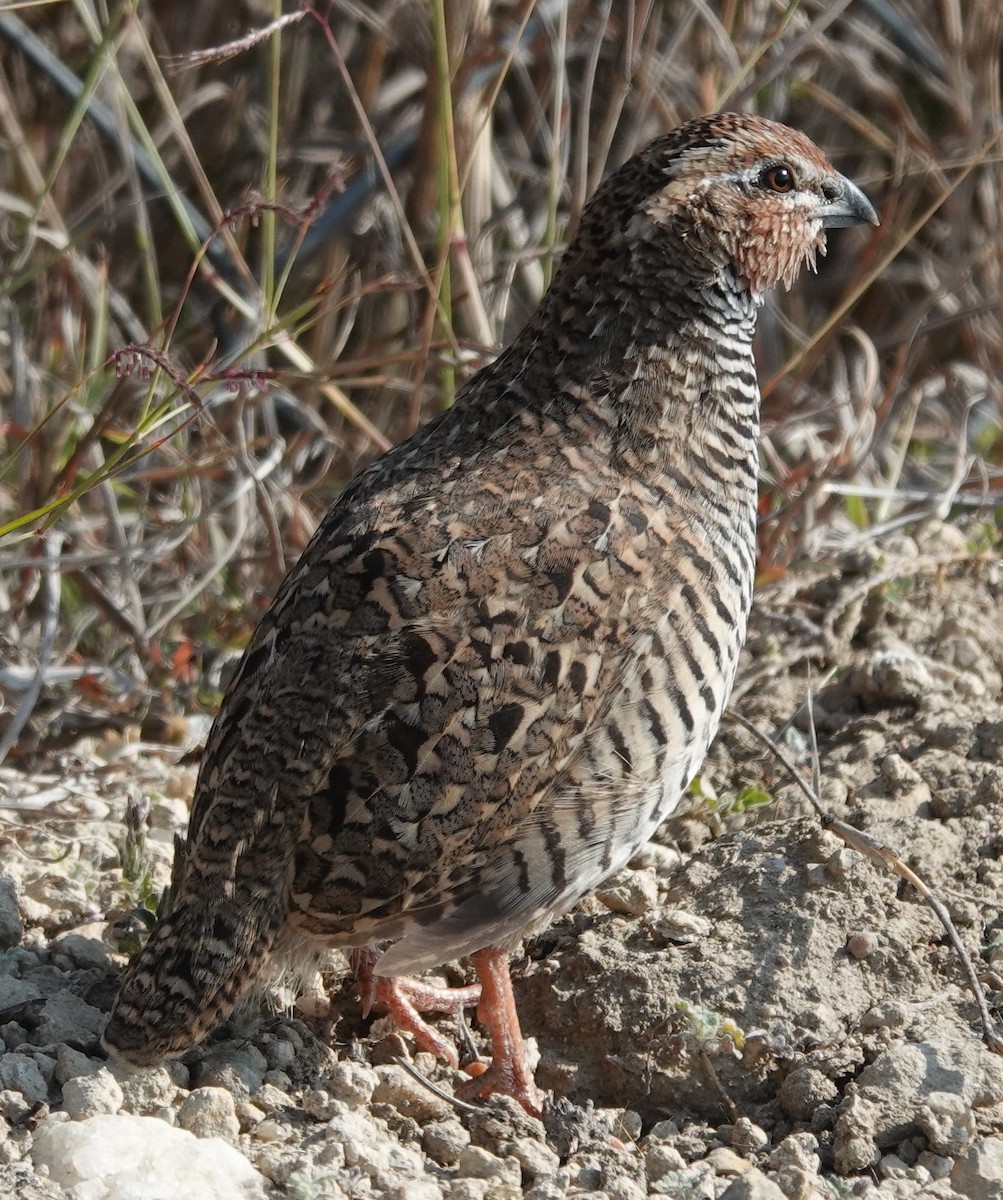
(778, 178)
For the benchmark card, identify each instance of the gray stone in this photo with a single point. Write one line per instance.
(70, 1063)
(67, 1018)
(14, 992)
(11, 925)
(21, 1073)
(84, 947)
(240, 1071)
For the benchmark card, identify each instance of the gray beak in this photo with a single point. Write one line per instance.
(846, 205)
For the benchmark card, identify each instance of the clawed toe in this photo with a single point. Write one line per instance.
(405, 999)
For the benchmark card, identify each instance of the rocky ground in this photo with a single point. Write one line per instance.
(752, 1011)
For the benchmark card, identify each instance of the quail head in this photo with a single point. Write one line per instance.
(503, 655)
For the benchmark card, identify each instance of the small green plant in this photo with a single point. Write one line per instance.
(708, 1032)
(139, 888)
(718, 811)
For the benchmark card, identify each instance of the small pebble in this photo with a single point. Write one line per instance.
(892, 1167)
(272, 1099)
(408, 1095)
(632, 893)
(352, 1081)
(479, 1163)
(745, 1135)
(241, 1072)
(753, 1185)
(210, 1112)
(468, 1189)
(726, 1162)
(270, 1130)
(661, 1159)
(891, 1014)
(841, 864)
(862, 945)
(803, 1090)
(535, 1158)
(444, 1141)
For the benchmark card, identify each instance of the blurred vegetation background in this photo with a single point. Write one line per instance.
(246, 246)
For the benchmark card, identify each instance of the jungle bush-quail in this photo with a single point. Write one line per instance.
(507, 648)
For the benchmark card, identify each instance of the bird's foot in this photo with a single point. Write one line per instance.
(509, 1071)
(405, 999)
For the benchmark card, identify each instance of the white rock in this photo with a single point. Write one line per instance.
(978, 1172)
(144, 1089)
(661, 1159)
(893, 1167)
(948, 1123)
(14, 1109)
(88, 1095)
(141, 1158)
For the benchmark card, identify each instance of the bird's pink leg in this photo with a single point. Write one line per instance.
(405, 999)
(509, 1071)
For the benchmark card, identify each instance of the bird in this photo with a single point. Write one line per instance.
(504, 653)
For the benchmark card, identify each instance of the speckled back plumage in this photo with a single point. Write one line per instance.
(508, 646)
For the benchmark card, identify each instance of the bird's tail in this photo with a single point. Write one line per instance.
(202, 955)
